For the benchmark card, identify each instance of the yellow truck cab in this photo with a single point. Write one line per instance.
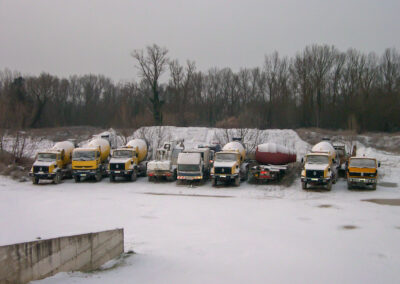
(91, 161)
(53, 164)
(229, 164)
(46, 166)
(319, 169)
(128, 161)
(362, 172)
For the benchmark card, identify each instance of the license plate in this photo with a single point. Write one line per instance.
(41, 173)
(222, 176)
(362, 179)
(117, 172)
(314, 179)
(83, 175)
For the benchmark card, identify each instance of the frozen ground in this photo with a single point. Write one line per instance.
(253, 234)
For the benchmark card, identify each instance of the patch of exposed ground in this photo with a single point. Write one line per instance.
(325, 206)
(348, 227)
(189, 195)
(383, 201)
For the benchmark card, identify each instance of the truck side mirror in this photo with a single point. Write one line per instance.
(379, 164)
(302, 160)
(329, 169)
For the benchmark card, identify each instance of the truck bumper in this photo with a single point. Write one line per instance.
(361, 181)
(43, 175)
(183, 177)
(224, 177)
(160, 173)
(120, 173)
(85, 173)
(319, 181)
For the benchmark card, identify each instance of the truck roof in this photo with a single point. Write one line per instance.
(189, 158)
(368, 158)
(318, 154)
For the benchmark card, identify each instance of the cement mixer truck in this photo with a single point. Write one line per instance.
(272, 162)
(320, 166)
(128, 161)
(53, 164)
(91, 160)
(229, 165)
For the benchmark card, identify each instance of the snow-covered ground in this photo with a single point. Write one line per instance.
(253, 234)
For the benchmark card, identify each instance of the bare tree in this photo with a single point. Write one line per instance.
(151, 67)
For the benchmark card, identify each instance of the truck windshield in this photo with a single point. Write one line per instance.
(83, 155)
(313, 159)
(362, 163)
(46, 157)
(225, 157)
(189, 168)
(122, 154)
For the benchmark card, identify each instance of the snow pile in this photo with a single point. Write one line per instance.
(323, 147)
(194, 136)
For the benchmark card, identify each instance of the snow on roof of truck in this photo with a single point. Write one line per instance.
(189, 158)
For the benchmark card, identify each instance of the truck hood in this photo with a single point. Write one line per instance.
(317, 167)
(159, 165)
(44, 164)
(119, 160)
(224, 164)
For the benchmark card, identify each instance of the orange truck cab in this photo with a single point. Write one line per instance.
(362, 172)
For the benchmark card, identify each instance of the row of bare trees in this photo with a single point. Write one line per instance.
(318, 87)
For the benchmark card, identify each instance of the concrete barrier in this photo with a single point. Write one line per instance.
(24, 262)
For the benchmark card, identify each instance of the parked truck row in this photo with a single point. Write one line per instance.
(227, 165)
(325, 162)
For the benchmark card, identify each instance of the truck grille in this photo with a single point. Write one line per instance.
(314, 174)
(353, 174)
(223, 170)
(37, 169)
(117, 166)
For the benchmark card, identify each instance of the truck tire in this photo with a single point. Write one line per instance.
(77, 178)
(349, 185)
(374, 186)
(329, 185)
(112, 178)
(98, 177)
(150, 178)
(134, 176)
(237, 181)
(213, 182)
(35, 180)
(303, 185)
(57, 178)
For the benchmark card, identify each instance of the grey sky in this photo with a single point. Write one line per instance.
(76, 37)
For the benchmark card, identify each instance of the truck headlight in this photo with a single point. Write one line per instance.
(303, 173)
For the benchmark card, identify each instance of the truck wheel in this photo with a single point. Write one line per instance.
(35, 180)
(98, 177)
(57, 178)
(134, 176)
(150, 178)
(329, 185)
(213, 182)
(77, 178)
(175, 176)
(303, 185)
(374, 186)
(349, 185)
(112, 178)
(237, 181)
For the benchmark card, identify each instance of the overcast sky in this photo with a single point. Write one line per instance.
(77, 37)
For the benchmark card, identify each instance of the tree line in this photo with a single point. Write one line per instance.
(320, 86)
